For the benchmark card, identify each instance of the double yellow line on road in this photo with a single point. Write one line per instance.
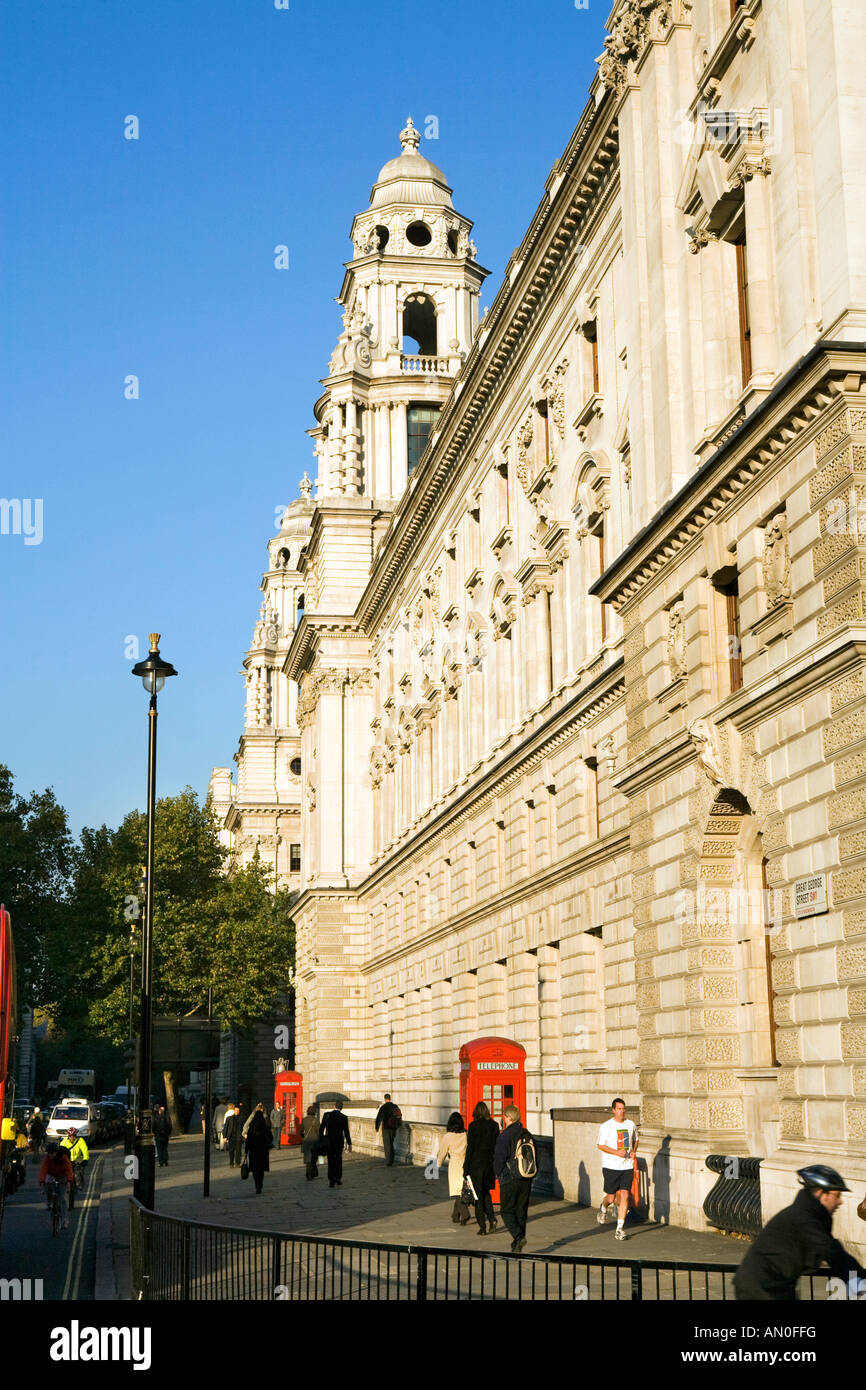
(76, 1254)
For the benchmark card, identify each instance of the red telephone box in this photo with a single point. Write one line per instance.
(289, 1093)
(492, 1070)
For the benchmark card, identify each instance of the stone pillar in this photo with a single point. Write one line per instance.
(380, 1042)
(762, 320)
(444, 1051)
(492, 1005)
(399, 449)
(352, 470)
(330, 780)
(335, 449)
(541, 623)
(713, 335)
(523, 1002)
(549, 1008)
(367, 450)
(381, 459)
(465, 1008)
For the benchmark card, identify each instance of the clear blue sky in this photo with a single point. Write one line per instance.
(155, 257)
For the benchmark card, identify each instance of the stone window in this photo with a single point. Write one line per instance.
(418, 234)
(295, 767)
(420, 421)
(745, 331)
(726, 615)
(294, 859)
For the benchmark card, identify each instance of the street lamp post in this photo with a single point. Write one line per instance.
(153, 672)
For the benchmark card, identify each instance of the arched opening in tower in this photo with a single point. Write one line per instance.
(419, 326)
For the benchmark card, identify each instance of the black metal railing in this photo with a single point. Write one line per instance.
(734, 1201)
(178, 1260)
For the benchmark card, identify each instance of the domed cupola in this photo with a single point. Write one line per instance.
(411, 212)
(410, 310)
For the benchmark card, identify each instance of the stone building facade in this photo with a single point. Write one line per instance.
(582, 693)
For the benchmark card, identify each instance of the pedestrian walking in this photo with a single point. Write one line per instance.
(258, 1143)
(161, 1134)
(278, 1116)
(310, 1142)
(481, 1139)
(234, 1135)
(219, 1119)
(514, 1165)
(334, 1134)
(389, 1119)
(617, 1141)
(36, 1130)
(797, 1239)
(203, 1115)
(452, 1147)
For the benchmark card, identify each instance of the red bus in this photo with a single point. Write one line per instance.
(8, 1024)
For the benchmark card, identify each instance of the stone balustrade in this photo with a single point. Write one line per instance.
(429, 366)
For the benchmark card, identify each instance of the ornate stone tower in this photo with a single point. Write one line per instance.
(410, 297)
(262, 811)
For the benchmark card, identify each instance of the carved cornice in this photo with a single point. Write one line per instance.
(331, 680)
(583, 178)
(786, 418)
(635, 25)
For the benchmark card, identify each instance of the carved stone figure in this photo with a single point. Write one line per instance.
(677, 640)
(777, 563)
(704, 736)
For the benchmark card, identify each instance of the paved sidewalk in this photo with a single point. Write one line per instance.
(398, 1205)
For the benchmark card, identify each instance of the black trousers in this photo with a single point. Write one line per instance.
(335, 1165)
(388, 1141)
(513, 1203)
(482, 1180)
(161, 1149)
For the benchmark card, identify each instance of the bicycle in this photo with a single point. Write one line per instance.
(54, 1203)
(78, 1168)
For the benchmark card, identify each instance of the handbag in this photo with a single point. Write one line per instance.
(468, 1195)
(245, 1169)
(634, 1191)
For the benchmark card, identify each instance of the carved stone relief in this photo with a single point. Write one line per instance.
(776, 561)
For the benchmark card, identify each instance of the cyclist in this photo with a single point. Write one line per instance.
(79, 1157)
(796, 1240)
(56, 1168)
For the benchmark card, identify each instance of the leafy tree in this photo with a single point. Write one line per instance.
(37, 857)
(231, 932)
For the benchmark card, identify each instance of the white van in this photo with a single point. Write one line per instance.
(73, 1114)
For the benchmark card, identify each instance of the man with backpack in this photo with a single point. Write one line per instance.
(389, 1118)
(515, 1165)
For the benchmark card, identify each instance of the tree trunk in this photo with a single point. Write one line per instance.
(171, 1103)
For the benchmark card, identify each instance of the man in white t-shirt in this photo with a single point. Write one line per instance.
(617, 1140)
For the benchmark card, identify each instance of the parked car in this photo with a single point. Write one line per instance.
(114, 1115)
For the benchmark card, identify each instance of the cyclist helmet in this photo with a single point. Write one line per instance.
(819, 1175)
(73, 1133)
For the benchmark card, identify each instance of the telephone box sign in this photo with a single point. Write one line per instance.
(497, 1066)
(810, 896)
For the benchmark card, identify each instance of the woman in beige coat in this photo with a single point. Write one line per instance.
(453, 1147)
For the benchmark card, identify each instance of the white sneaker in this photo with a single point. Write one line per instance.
(602, 1214)
(620, 1234)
